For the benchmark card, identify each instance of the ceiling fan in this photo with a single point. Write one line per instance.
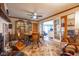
(34, 15)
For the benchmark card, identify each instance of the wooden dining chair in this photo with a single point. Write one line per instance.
(36, 38)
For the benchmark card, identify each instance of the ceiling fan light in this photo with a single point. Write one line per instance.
(34, 17)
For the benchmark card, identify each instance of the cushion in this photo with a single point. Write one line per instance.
(20, 45)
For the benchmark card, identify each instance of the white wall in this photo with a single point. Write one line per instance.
(77, 21)
(13, 24)
(1, 24)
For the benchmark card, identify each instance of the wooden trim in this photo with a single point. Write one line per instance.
(22, 18)
(18, 18)
(65, 28)
(59, 12)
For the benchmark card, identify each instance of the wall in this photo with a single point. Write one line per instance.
(1, 24)
(77, 20)
(62, 14)
(13, 24)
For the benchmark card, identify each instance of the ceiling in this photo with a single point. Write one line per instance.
(44, 9)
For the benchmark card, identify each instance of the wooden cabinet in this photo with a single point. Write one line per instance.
(35, 27)
(22, 28)
(20, 25)
(35, 33)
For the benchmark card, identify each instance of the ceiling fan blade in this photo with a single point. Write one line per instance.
(22, 10)
(39, 16)
(28, 11)
(29, 14)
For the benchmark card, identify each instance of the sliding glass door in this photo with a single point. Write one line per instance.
(48, 29)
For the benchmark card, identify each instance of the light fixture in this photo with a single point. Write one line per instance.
(34, 17)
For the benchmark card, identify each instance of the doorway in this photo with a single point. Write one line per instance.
(48, 31)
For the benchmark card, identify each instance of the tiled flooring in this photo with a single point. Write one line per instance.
(48, 48)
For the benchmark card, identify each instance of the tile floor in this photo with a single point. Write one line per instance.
(48, 48)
